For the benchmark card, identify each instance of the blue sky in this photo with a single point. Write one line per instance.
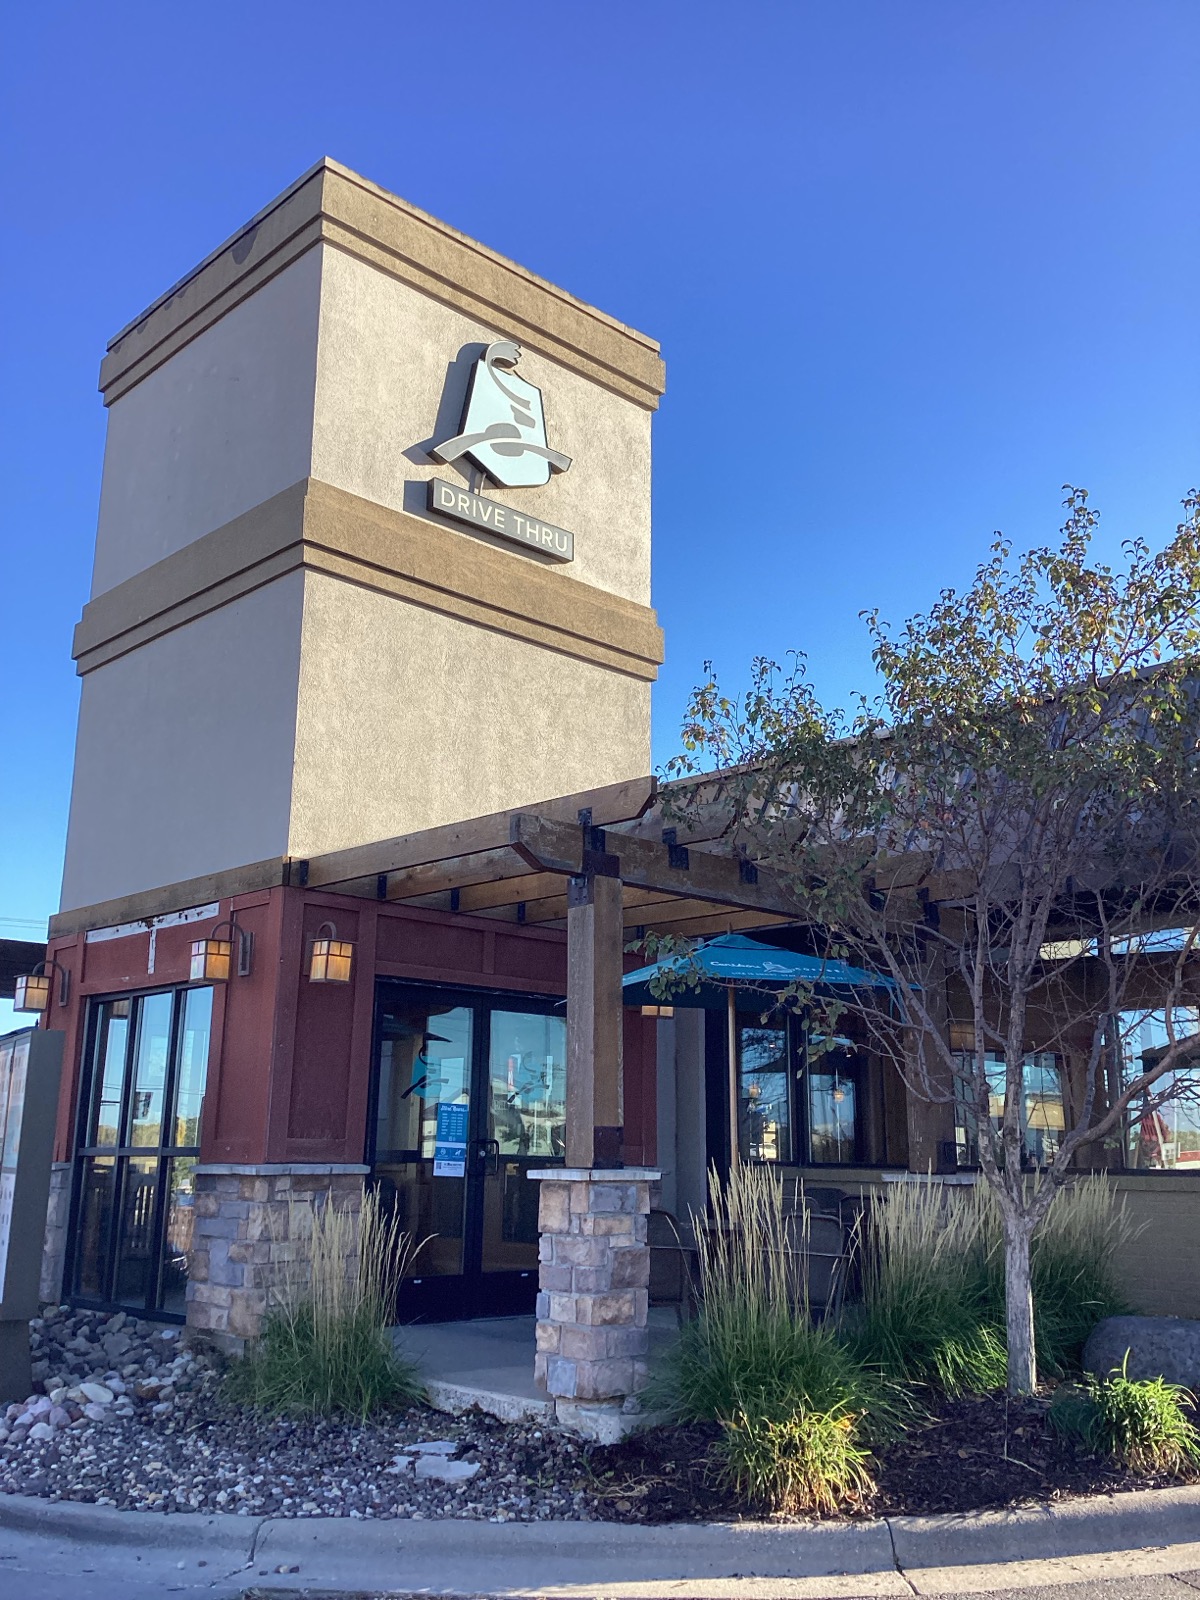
(914, 265)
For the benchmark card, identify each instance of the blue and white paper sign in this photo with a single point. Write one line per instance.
(450, 1147)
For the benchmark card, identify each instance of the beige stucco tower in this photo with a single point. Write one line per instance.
(286, 651)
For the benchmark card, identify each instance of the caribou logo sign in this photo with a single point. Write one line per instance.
(503, 430)
(503, 436)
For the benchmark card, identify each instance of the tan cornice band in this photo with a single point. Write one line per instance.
(331, 204)
(315, 526)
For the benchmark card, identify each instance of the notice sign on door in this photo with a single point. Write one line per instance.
(450, 1147)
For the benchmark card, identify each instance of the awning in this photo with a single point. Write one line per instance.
(732, 961)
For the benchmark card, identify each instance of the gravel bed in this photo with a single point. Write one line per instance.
(158, 1437)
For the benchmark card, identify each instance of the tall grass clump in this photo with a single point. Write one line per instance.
(790, 1397)
(932, 1260)
(1141, 1423)
(753, 1348)
(1074, 1270)
(927, 1315)
(325, 1345)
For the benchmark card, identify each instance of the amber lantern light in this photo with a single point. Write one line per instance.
(212, 957)
(32, 989)
(332, 958)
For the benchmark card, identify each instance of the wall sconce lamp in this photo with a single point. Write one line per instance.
(212, 957)
(331, 957)
(33, 989)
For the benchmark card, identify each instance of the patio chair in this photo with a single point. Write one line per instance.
(672, 1266)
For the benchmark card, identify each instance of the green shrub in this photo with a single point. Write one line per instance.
(810, 1461)
(926, 1316)
(1139, 1422)
(1073, 1265)
(325, 1345)
(753, 1350)
(793, 1402)
(933, 1282)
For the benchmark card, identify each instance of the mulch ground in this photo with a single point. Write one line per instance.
(974, 1454)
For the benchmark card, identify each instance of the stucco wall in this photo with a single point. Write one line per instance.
(184, 752)
(408, 718)
(221, 426)
(384, 356)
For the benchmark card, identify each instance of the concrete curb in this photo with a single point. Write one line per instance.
(467, 1556)
(1097, 1525)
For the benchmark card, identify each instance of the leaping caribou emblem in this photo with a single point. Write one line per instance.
(503, 430)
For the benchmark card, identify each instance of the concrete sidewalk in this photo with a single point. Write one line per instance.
(488, 1363)
(52, 1551)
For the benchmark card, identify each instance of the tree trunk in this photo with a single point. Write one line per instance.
(1018, 1301)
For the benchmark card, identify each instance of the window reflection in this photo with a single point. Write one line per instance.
(528, 1072)
(193, 1065)
(1163, 1127)
(1040, 1109)
(832, 1114)
(150, 1069)
(111, 1043)
(764, 1099)
(424, 1061)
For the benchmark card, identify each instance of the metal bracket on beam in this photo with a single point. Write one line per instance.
(597, 858)
(747, 871)
(381, 886)
(580, 891)
(677, 856)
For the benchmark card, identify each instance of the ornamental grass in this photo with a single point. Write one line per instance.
(326, 1345)
(1141, 1423)
(791, 1398)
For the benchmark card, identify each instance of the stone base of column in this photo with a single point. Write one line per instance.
(54, 1250)
(241, 1238)
(593, 1293)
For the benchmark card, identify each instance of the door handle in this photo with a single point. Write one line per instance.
(487, 1153)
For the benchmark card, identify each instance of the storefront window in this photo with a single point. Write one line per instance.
(797, 1104)
(832, 1115)
(764, 1092)
(1040, 1110)
(1163, 1128)
(143, 1099)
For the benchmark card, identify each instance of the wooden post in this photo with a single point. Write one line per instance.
(595, 945)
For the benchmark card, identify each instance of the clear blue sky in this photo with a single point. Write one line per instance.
(914, 264)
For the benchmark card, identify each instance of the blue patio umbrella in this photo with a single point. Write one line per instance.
(731, 961)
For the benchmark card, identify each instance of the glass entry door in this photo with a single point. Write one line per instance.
(470, 1094)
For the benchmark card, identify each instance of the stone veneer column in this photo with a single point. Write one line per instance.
(593, 1292)
(241, 1237)
(54, 1249)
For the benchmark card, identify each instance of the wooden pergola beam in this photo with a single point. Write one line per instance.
(615, 802)
(716, 922)
(550, 846)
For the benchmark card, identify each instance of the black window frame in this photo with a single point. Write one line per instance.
(800, 1062)
(123, 1152)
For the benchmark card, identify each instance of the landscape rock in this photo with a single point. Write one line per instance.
(443, 1471)
(1159, 1347)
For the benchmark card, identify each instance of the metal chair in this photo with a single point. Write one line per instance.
(672, 1269)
